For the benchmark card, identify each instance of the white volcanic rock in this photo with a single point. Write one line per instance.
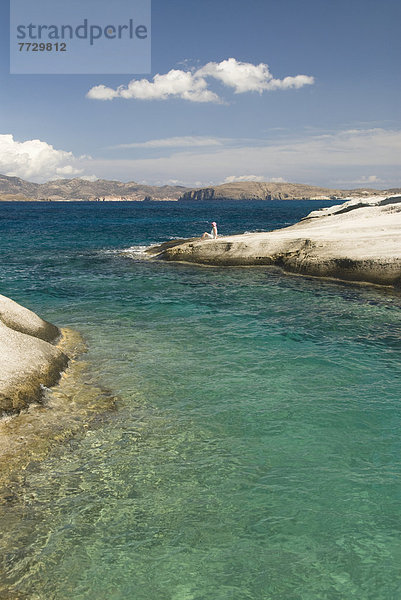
(27, 360)
(359, 240)
(22, 319)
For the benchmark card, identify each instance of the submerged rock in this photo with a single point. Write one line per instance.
(28, 361)
(355, 241)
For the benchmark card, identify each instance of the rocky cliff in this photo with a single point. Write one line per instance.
(249, 190)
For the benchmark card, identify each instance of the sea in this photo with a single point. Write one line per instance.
(250, 444)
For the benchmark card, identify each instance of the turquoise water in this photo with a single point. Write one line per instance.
(255, 452)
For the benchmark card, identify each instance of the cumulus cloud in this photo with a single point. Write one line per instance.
(89, 177)
(175, 83)
(174, 142)
(193, 84)
(35, 160)
(102, 92)
(246, 77)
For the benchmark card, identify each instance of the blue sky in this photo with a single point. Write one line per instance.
(339, 126)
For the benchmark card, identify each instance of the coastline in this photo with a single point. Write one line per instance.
(357, 241)
(29, 356)
(242, 383)
(46, 398)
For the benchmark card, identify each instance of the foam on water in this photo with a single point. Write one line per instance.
(135, 251)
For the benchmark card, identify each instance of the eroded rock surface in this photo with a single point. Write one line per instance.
(359, 240)
(28, 361)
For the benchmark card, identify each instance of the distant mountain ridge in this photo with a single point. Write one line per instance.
(15, 188)
(249, 190)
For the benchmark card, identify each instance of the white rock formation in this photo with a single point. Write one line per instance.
(28, 360)
(359, 240)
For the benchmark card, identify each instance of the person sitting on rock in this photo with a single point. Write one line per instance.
(212, 235)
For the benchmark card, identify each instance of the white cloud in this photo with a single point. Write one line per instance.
(67, 170)
(246, 77)
(238, 178)
(364, 180)
(174, 142)
(173, 182)
(89, 177)
(368, 157)
(35, 160)
(102, 92)
(175, 83)
(192, 84)
(320, 159)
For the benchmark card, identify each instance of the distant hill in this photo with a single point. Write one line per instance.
(14, 188)
(250, 190)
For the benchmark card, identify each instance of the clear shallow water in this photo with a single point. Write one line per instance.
(256, 450)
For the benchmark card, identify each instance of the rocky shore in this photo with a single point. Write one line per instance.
(356, 241)
(29, 359)
(33, 356)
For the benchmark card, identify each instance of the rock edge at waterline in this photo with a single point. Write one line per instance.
(28, 358)
(358, 241)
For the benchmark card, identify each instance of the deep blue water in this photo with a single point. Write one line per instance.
(255, 452)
